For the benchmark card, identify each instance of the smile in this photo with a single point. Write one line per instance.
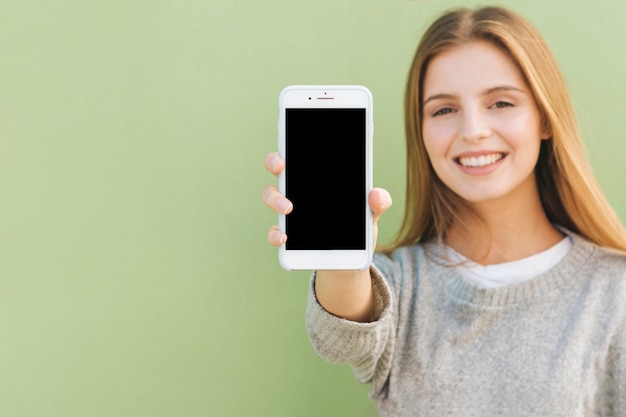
(480, 161)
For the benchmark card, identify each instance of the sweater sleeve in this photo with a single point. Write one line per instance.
(366, 347)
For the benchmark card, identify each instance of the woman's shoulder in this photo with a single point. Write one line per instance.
(601, 254)
(610, 263)
(598, 261)
(611, 257)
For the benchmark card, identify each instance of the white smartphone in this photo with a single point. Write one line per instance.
(325, 137)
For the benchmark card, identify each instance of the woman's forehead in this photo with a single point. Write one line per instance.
(473, 67)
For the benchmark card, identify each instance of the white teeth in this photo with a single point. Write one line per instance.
(480, 161)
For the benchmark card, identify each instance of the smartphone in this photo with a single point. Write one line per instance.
(325, 137)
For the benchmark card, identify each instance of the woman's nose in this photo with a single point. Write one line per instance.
(474, 126)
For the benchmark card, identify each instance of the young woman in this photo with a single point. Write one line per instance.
(504, 292)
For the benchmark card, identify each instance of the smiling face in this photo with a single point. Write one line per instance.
(480, 124)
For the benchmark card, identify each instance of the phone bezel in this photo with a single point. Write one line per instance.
(328, 97)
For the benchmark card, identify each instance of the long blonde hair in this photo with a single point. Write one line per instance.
(569, 194)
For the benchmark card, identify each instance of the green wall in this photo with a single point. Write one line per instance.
(135, 278)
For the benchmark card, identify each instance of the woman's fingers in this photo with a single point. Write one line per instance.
(379, 200)
(274, 163)
(272, 198)
(275, 200)
(270, 195)
(276, 237)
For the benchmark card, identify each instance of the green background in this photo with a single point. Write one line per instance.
(135, 277)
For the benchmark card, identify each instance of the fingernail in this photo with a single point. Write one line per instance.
(279, 236)
(283, 205)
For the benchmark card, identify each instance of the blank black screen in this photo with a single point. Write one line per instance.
(325, 178)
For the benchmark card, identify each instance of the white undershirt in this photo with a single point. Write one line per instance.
(509, 273)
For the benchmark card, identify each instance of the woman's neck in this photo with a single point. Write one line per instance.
(491, 234)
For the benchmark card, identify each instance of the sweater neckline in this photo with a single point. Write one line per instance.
(512, 272)
(463, 291)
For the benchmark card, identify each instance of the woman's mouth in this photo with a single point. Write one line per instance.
(479, 161)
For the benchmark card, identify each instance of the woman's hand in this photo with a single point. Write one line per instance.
(379, 201)
(274, 199)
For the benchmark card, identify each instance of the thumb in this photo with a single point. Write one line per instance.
(379, 200)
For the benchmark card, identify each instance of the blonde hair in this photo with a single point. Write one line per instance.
(569, 194)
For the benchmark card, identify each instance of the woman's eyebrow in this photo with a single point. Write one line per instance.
(496, 89)
(438, 97)
(501, 88)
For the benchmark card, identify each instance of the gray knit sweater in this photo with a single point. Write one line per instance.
(553, 346)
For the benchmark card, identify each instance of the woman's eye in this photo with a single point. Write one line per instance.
(442, 111)
(501, 104)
